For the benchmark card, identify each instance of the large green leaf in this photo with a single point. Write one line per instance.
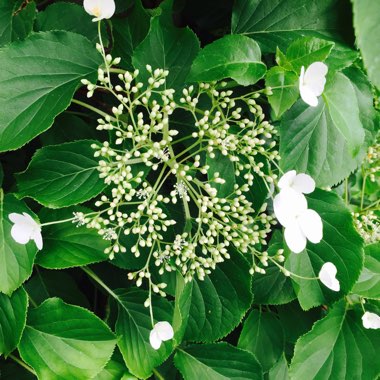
(368, 284)
(38, 79)
(275, 23)
(338, 347)
(233, 56)
(326, 141)
(263, 335)
(69, 17)
(133, 327)
(167, 47)
(67, 245)
(219, 361)
(367, 28)
(62, 175)
(272, 288)
(12, 319)
(16, 259)
(128, 32)
(341, 245)
(220, 301)
(16, 20)
(62, 341)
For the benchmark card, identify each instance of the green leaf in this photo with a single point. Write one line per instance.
(33, 101)
(338, 347)
(128, 32)
(133, 327)
(69, 17)
(341, 245)
(263, 335)
(341, 56)
(62, 341)
(305, 51)
(16, 20)
(325, 141)
(62, 175)
(280, 370)
(220, 301)
(167, 47)
(272, 288)
(224, 166)
(217, 362)
(115, 370)
(284, 86)
(368, 284)
(367, 28)
(275, 23)
(45, 284)
(12, 320)
(16, 259)
(233, 56)
(67, 245)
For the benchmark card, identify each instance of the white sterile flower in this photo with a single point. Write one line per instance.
(312, 82)
(371, 320)
(161, 332)
(301, 224)
(302, 182)
(327, 276)
(99, 8)
(25, 228)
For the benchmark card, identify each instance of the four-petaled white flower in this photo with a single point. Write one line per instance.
(161, 332)
(99, 8)
(290, 207)
(371, 320)
(25, 228)
(312, 82)
(327, 275)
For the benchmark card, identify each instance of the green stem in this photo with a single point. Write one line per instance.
(22, 364)
(157, 374)
(363, 190)
(91, 108)
(117, 71)
(90, 273)
(346, 190)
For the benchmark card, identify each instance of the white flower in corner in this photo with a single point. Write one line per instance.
(99, 8)
(312, 82)
(161, 332)
(327, 275)
(25, 228)
(371, 320)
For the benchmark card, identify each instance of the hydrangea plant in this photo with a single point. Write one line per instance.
(175, 211)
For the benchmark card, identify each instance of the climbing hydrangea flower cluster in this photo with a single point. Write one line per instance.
(164, 203)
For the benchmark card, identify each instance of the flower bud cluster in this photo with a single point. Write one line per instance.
(368, 225)
(151, 168)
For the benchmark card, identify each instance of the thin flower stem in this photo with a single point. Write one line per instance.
(283, 269)
(117, 71)
(363, 190)
(90, 273)
(94, 109)
(22, 364)
(346, 190)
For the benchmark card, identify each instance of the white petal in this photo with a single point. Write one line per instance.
(314, 78)
(294, 238)
(20, 233)
(99, 8)
(287, 179)
(302, 76)
(287, 204)
(311, 225)
(308, 96)
(16, 218)
(37, 237)
(30, 221)
(154, 339)
(164, 330)
(371, 320)
(327, 276)
(303, 183)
